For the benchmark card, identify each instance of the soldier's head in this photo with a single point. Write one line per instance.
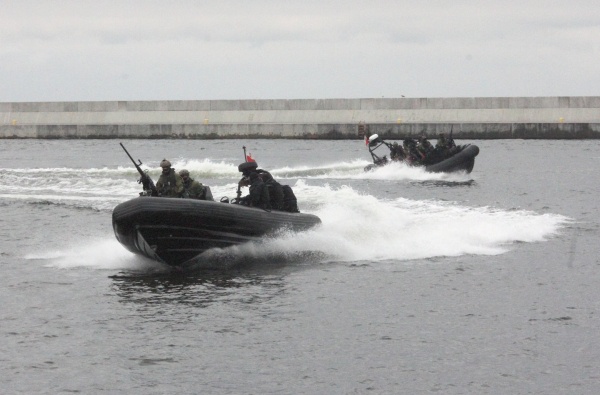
(166, 166)
(247, 167)
(185, 175)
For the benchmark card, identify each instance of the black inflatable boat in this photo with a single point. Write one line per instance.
(175, 231)
(452, 159)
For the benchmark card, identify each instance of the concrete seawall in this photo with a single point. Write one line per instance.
(476, 118)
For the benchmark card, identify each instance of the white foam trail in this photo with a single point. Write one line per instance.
(357, 227)
(207, 169)
(334, 170)
(401, 171)
(96, 254)
(103, 188)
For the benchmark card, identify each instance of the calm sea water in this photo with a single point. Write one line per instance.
(486, 283)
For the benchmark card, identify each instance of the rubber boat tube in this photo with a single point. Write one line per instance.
(175, 231)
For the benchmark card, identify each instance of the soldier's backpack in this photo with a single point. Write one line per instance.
(290, 203)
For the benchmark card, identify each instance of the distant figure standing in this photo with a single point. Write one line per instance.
(169, 183)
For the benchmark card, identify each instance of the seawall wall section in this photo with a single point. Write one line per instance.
(476, 118)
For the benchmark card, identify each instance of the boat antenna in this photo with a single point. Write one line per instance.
(245, 157)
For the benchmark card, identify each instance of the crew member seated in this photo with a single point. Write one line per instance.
(424, 147)
(396, 152)
(445, 143)
(169, 183)
(258, 195)
(442, 143)
(410, 149)
(193, 189)
(280, 196)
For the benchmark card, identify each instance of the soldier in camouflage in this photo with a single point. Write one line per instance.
(170, 183)
(192, 188)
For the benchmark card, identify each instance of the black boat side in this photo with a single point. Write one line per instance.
(463, 159)
(174, 231)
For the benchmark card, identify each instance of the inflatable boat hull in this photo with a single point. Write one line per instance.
(463, 160)
(175, 231)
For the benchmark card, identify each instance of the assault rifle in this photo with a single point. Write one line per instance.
(243, 181)
(145, 180)
(451, 143)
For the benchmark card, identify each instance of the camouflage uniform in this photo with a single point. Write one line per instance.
(169, 183)
(193, 189)
(442, 143)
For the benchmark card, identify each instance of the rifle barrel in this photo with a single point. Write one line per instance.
(125, 149)
(145, 179)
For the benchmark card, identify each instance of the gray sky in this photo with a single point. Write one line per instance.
(278, 49)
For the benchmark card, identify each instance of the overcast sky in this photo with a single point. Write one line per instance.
(283, 49)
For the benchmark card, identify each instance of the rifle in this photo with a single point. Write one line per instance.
(239, 190)
(145, 180)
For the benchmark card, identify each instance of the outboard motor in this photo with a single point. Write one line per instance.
(374, 140)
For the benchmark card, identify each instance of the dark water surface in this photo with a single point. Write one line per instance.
(486, 283)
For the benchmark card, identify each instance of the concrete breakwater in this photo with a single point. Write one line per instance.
(575, 117)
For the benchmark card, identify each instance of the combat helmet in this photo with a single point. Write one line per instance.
(165, 163)
(247, 167)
